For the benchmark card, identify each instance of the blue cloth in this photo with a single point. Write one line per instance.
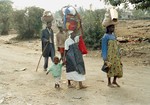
(105, 40)
(67, 11)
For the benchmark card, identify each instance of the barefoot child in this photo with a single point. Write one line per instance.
(56, 70)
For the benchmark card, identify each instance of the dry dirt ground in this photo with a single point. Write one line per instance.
(20, 84)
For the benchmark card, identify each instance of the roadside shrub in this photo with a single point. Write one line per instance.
(28, 22)
(93, 30)
(5, 16)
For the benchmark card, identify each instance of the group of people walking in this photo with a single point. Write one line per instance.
(71, 56)
(67, 45)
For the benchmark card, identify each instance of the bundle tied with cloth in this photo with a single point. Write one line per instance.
(47, 17)
(111, 17)
(71, 22)
(71, 18)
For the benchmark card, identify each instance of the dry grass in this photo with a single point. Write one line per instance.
(139, 28)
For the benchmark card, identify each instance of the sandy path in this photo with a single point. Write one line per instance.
(27, 87)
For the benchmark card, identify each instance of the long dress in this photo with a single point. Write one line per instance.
(110, 52)
(114, 58)
(75, 68)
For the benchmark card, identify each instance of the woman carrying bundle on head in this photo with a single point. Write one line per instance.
(110, 50)
(75, 68)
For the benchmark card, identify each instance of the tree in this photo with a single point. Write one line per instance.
(139, 4)
(34, 19)
(142, 4)
(5, 15)
(141, 14)
(28, 22)
(93, 30)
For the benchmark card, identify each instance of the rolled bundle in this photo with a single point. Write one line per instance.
(47, 17)
(70, 18)
(111, 17)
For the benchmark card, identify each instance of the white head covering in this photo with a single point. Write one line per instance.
(69, 32)
(71, 9)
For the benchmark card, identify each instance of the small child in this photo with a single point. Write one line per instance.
(56, 70)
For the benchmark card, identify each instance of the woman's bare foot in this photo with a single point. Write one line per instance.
(82, 87)
(115, 83)
(71, 86)
(110, 85)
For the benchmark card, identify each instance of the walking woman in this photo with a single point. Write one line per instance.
(74, 61)
(110, 53)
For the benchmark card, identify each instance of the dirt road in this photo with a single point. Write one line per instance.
(21, 85)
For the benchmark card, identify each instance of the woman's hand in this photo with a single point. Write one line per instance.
(58, 48)
(64, 61)
(108, 63)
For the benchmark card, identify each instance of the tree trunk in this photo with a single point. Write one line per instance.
(5, 28)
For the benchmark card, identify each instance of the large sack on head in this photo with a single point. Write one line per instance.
(111, 17)
(47, 17)
(71, 18)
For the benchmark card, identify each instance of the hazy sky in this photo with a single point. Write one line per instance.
(54, 5)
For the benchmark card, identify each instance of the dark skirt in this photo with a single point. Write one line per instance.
(75, 60)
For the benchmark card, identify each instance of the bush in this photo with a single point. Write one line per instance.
(93, 30)
(28, 22)
(5, 16)
(92, 27)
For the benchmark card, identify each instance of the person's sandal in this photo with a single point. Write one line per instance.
(55, 85)
(116, 84)
(70, 86)
(82, 87)
(111, 86)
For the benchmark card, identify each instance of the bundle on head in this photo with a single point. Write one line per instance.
(47, 17)
(71, 18)
(111, 17)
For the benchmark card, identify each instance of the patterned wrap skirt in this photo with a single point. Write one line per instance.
(115, 60)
